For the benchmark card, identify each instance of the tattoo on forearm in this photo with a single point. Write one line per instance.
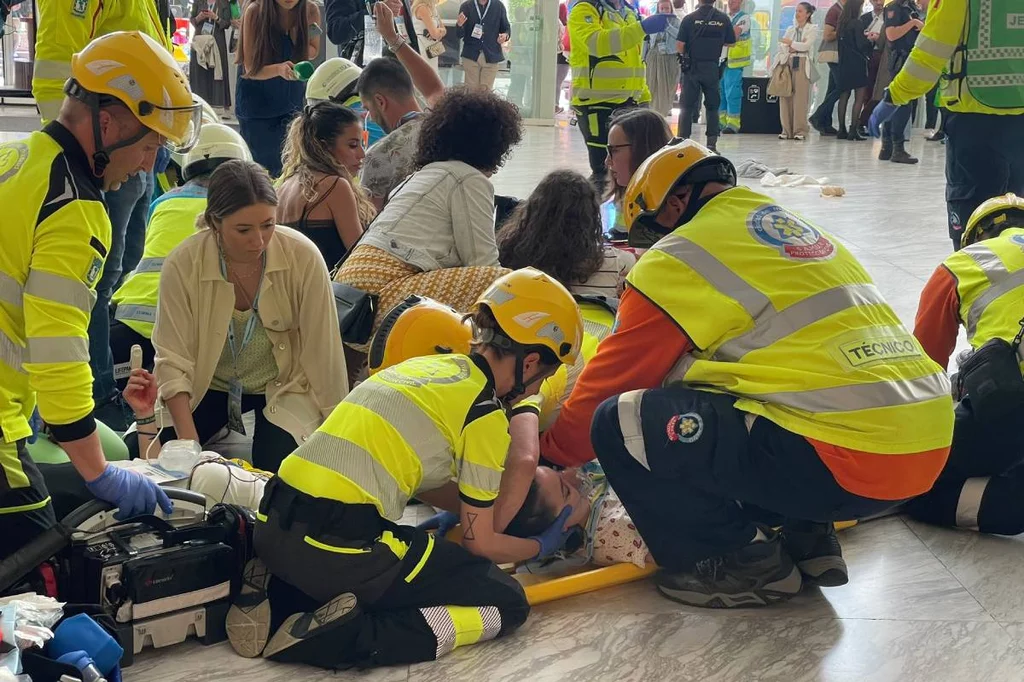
(470, 520)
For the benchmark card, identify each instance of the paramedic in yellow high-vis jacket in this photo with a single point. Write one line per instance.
(56, 237)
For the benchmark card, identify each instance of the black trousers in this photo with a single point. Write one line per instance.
(593, 121)
(270, 443)
(984, 159)
(982, 484)
(695, 481)
(702, 78)
(23, 516)
(416, 595)
(122, 338)
(822, 116)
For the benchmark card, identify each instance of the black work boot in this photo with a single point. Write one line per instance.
(886, 152)
(900, 153)
(713, 144)
(757, 574)
(817, 553)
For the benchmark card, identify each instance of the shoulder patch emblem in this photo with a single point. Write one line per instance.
(78, 8)
(12, 158)
(793, 238)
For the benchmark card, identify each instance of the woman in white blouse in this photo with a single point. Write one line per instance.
(798, 47)
(247, 321)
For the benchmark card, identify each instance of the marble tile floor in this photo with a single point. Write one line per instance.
(923, 604)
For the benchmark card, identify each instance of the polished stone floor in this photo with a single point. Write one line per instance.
(923, 604)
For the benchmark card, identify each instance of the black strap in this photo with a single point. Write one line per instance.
(1020, 335)
(310, 206)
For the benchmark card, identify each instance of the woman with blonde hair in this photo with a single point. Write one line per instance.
(319, 196)
(430, 31)
(246, 321)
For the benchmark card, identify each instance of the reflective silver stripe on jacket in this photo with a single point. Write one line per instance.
(479, 477)
(10, 290)
(417, 429)
(63, 290)
(609, 72)
(855, 397)
(136, 313)
(149, 265)
(10, 353)
(51, 69)
(54, 349)
(360, 467)
(1001, 281)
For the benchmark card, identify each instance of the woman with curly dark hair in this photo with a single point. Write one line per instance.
(435, 235)
(558, 230)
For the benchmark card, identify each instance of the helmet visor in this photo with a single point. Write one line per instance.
(179, 126)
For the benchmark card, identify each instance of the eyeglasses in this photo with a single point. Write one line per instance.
(612, 147)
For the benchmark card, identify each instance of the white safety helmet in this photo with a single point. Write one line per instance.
(209, 115)
(217, 143)
(333, 80)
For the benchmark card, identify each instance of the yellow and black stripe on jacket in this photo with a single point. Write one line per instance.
(56, 237)
(410, 428)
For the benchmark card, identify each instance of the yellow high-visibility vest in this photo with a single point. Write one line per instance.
(606, 57)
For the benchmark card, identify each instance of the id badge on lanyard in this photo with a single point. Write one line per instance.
(478, 30)
(235, 385)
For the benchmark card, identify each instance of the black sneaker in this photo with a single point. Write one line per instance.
(756, 575)
(248, 621)
(824, 129)
(301, 626)
(817, 553)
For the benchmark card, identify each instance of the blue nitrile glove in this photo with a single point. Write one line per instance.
(36, 422)
(553, 539)
(656, 23)
(163, 159)
(81, 660)
(132, 493)
(882, 113)
(442, 521)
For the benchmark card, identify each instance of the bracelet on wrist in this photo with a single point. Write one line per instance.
(145, 420)
(396, 46)
(151, 434)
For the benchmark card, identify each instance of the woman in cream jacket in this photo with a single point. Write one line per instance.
(247, 321)
(798, 48)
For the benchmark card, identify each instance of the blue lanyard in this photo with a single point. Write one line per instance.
(407, 117)
(487, 8)
(250, 324)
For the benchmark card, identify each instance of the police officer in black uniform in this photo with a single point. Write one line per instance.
(902, 25)
(702, 35)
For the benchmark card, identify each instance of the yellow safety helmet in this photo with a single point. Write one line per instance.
(533, 311)
(217, 143)
(135, 70)
(992, 217)
(680, 162)
(336, 80)
(416, 327)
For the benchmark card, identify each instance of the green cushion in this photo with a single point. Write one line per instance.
(45, 451)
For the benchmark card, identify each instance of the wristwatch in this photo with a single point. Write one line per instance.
(395, 47)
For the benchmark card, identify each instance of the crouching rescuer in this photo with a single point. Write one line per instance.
(338, 582)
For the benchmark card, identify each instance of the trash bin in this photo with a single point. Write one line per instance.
(759, 112)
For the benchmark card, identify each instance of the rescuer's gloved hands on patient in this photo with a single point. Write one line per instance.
(131, 493)
(440, 523)
(553, 539)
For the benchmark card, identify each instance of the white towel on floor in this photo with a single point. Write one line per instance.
(773, 180)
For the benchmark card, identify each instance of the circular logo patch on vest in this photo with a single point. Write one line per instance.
(792, 237)
(12, 158)
(684, 428)
(1018, 239)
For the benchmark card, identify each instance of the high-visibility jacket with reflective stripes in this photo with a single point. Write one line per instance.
(410, 428)
(172, 220)
(785, 318)
(979, 44)
(56, 234)
(64, 27)
(739, 55)
(606, 57)
(990, 284)
(556, 389)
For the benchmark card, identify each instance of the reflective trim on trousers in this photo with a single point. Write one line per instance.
(11, 353)
(630, 424)
(969, 503)
(774, 326)
(53, 349)
(455, 626)
(58, 289)
(136, 313)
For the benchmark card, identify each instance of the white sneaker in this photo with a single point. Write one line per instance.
(798, 138)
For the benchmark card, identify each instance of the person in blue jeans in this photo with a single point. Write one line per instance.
(276, 34)
(127, 207)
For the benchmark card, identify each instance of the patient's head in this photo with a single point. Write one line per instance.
(548, 495)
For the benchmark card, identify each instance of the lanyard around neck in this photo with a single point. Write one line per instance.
(250, 324)
(487, 7)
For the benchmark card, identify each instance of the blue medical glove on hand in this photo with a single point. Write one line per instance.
(882, 113)
(656, 23)
(36, 422)
(131, 493)
(441, 523)
(553, 539)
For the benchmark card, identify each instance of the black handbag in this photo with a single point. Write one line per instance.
(356, 310)
(990, 376)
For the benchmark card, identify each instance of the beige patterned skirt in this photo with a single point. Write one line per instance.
(376, 271)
